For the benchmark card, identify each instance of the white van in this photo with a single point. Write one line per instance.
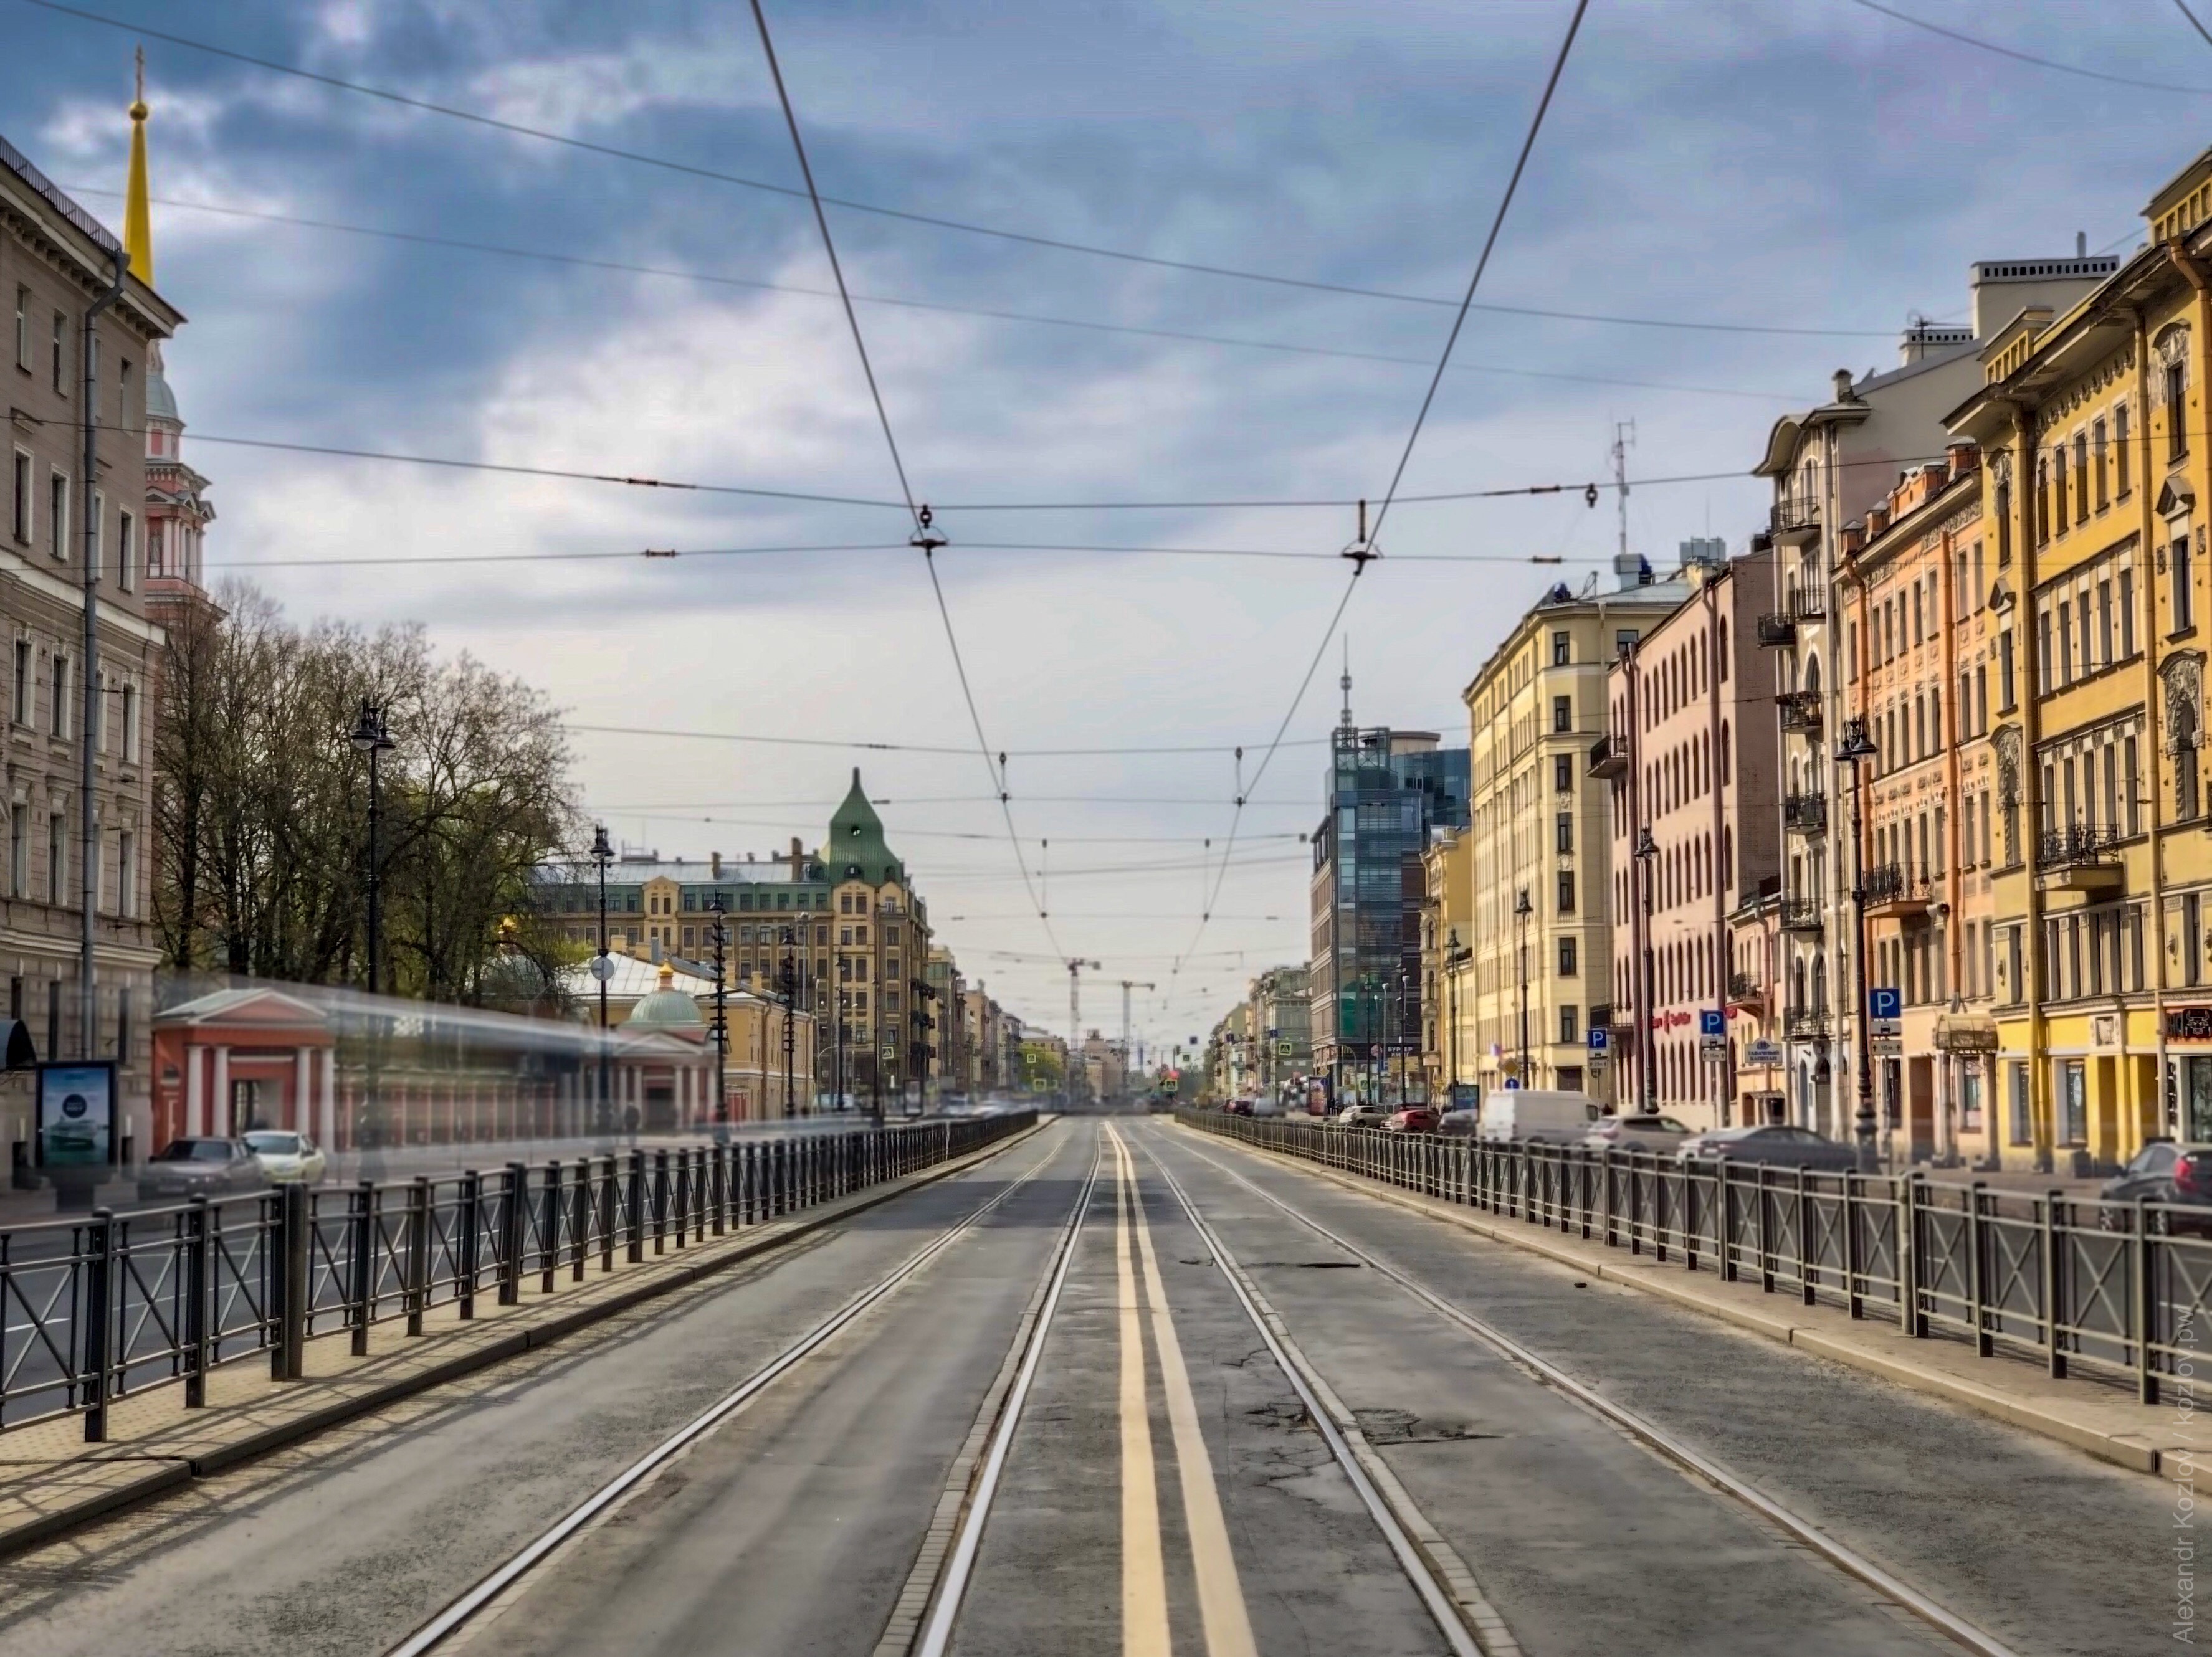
(1539, 1115)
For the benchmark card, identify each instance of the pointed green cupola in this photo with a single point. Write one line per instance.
(855, 848)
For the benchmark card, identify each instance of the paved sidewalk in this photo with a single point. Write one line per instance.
(2089, 1415)
(52, 1481)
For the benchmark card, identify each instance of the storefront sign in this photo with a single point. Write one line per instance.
(1762, 1052)
(2189, 1023)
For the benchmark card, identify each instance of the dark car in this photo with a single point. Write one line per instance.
(202, 1168)
(2163, 1171)
(1772, 1141)
(1415, 1118)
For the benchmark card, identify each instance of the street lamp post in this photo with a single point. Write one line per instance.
(789, 984)
(1456, 956)
(1856, 748)
(721, 933)
(602, 853)
(1647, 1045)
(1521, 910)
(372, 736)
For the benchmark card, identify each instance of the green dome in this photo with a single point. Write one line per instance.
(666, 1009)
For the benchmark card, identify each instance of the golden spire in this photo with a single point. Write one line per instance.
(138, 214)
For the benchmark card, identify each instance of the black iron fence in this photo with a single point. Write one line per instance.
(106, 1306)
(2120, 1289)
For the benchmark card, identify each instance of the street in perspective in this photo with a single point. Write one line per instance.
(927, 831)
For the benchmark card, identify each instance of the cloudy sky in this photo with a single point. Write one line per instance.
(1795, 177)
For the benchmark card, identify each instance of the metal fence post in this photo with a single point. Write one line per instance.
(418, 1251)
(549, 1226)
(198, 1290)
(610, 1210)
(720, 1197)
(2146, 1306)
(288, 1351)
(636, 1206)
(1907, 1197)
(580, 1221)
(1854, 1256)
(1976, 1273)
(510, 1234)
(94, 1377)
(469, 1224)
(1726, 1219)
(2055, 1245)
(1691, 1228)
(659, 1201)
(360, 1224)
(1609, 1229)
(1807, 1272)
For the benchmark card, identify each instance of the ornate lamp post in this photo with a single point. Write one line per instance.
(1456, 956)
(603, 968)
(1855, 749)
(372, 736)
(1521, 910)
(1647, 1046)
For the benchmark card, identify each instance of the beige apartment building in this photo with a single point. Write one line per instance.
(1691, 756)
(1539, 871)
(59, 265)
(1447, 950)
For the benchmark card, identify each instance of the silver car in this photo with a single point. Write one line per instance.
(1662, 1135)
(286, 1157)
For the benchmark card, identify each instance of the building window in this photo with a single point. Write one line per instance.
(1562, 650)
(1570, 957)
(2120, 448)
(60, 721)
(2007, 697)
(2127, 613)
(2004, 524)
(58, 499)
(1571, 1030)
(2022, 1122)
(1563, 774)
(125, 560)
(1565, 832)
(126, 875)
(22, 503)
(2185, 613)
(61, 335)
(1566, 893)
(57, 844)
(1563, 712)
(2042, 500)
(23, 334)
(23, 711)
(2104, 498)
(19, 854)
(2177, 410)
(2080, 478)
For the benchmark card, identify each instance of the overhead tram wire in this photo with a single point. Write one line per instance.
(1364, 550)
(923, 536)
(1056, 244)
(2019, 57)
(909, 747)
(1184, 336)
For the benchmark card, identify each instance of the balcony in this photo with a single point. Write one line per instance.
(1800, 710)
(1898, 891)
(2079, 859)
(1795, 523)
(1805, 814)
(1746, 991)
(1800, 915)
(1777, 632)
(1608, 758)
(1805, 1024)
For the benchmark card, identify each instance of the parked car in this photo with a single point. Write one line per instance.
(2163, 1171)
(1635, 1131)
(1266, 1104)
(1413, 1118)
(1359, 1116)
(1772, 1141)
(1541, 1115)
(285, 1156)
(202, 1168)
(1238, 1107)
(1464, 1124)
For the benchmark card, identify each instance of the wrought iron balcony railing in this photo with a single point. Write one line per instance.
(1744, 990)
(1805, 1024)
(1897, 887)
(1608, 758)
(2082, 844)
(1805, 814)
(1800, 915)
(1801, 710)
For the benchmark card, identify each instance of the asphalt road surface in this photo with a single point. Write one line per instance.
(1232, 1440)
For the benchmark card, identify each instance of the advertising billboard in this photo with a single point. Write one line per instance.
(76, 1114)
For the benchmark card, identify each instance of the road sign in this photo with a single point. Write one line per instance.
(1513, 1081)
(1762, 1052)
(1884, 1004)
(1712, 1033)
(1601, 1039)
(603, 967)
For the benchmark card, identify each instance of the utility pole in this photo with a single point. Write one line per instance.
(790, 986)
(1623, 440)
(721, 933)
(1127, 1052)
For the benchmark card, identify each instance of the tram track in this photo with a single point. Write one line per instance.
(460, 1616)
(1700, 1467)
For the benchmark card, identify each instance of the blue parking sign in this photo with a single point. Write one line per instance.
(1885, 1003)
(1600, 1038)
(1712, 1021)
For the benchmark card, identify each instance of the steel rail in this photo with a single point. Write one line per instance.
(460, 1611)
(1435, 1596)
(1845, 1557)
(960, 1562)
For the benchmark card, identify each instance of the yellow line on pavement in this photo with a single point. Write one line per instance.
(1220, 1594)
(1144, 1577)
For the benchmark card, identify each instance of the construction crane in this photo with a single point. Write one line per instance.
(1075, 969)
(1131, 1064)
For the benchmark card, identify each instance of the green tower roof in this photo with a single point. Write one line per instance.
(855, 848)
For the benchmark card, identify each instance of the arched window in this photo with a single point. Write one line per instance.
(1727, 771)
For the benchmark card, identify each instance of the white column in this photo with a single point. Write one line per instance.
(195, 1091)
(326, 1104)
(219, 1105)
(303, 1091)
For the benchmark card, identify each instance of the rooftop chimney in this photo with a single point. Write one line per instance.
(1964, 455)
(797, 853)
(1628, 566)
(1843, 385)
(715, 864)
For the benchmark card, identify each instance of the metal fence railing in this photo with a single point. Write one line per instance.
(2115, 1289)
(108, 1306)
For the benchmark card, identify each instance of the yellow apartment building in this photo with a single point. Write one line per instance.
(1447, 949)
(2093, 423)
(1538, 871)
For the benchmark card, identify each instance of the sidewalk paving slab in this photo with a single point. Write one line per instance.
(2088, 1415)
(52, 1481)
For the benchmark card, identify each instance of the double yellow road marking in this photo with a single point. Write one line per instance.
(1227, 1624)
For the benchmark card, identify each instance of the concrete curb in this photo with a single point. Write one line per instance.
(2131, 1449)
(71, 1514)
